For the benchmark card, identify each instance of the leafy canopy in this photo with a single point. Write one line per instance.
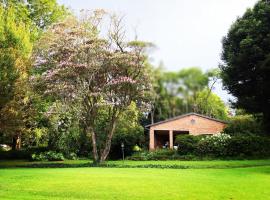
(246, 56)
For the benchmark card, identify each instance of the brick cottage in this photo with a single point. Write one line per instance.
(164, 132)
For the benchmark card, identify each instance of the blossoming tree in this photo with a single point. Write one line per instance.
(74, 64)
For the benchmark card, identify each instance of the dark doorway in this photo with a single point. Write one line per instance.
(161, 137)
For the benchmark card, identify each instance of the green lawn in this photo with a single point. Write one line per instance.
(247, 179)
(131, 183)
(160, 164)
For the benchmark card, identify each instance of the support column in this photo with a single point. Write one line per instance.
(151, 140)
(171, 139)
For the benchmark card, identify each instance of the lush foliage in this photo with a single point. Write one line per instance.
(64, 133)
(211, 104)
(19, 29)
(243, 124)
(97, 78)
(248, 146)
(50, 155)
(222, 146)
(189, 90)
(162, 154)
(24, 154)
(129, 132)
(68, 86)
(186, 144)
(15, 49)
(246, 67)
(215, 145)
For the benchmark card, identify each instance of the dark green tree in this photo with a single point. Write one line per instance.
(246, 56)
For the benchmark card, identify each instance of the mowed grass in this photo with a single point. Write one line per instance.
(127, 163)
(195, 164)
(138, 183)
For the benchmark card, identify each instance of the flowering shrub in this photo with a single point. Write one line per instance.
(215, 145)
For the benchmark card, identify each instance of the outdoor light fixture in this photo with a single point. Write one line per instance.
(123, 152)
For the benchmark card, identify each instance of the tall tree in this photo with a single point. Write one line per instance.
(93, 74)
(44, 13)
(19, 28)
(15, 50)
(211, 105)
(176, 92)
(246, 55)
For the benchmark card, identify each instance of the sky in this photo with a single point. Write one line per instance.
(186, 32)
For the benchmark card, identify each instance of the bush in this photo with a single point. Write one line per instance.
(72, 156)
(130, 140)
(243, 124)
(48, 156)
(4, 147)
(238, 146)
(162, 154)
(14, 155)
(214, 145)
(23, 154)
(221, 146)
(248, 146)
(186, 144)
(128, 131)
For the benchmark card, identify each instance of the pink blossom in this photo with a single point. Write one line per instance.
(40, 61)
(122, 79)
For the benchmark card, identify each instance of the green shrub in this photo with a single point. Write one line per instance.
(162, 154)
(23, 154)
(136, 148)
(14, 155)
(50, 156)
(72, 156)
(238, 146)
(248, 146)
(214, 145)
(186, 144)
(221, 146)
(130, 140)
(243, 124)
(128, 131)
(4, 147)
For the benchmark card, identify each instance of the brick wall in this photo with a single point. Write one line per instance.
(196, 125)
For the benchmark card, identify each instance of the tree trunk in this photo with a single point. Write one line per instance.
(208, 95)
(107, 147)
(16, 142)
(94, 144)
(152, 115)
